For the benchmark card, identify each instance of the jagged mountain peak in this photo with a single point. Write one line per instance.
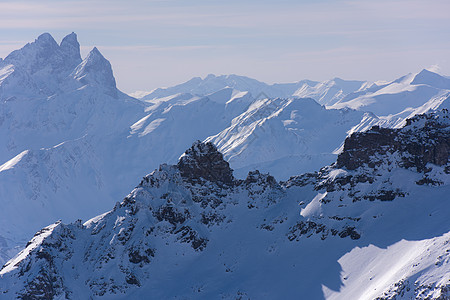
(425, 139)
(96, 53)
(432, 79)
(46, 39)
(40, 53)
(70, 45)
(204, 162)
(71, 38)
(178, 239)
(250, 226)
(36, 55)
(41, 67)
(95, 69)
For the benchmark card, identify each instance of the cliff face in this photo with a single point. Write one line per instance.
(425, 139)
(203, 162)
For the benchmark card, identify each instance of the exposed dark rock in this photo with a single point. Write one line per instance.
(338, 218)
(131, 279)
(184, 203)
(351, 232)
(136, 257)
(267, 227)
(361, 146)
(42, 254)
(256, 184)
(382, 195)
(41, 287)
(428, 181)
(301, 180)
(188, 235)
(210, 219)
(260, 179)
(307, 228)
(170, 214)
(46, 284)
(337, 183)
(417, 145)
(125, 235)
(204, 162)
(422, 292)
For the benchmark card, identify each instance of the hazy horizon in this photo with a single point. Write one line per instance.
(154, 44)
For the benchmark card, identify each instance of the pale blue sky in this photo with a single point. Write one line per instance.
(161, 43)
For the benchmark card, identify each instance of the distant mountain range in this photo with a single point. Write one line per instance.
(72, 145)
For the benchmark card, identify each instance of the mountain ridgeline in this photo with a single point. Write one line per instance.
(364, 217)
(192, 230)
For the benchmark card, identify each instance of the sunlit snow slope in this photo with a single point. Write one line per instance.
(71, 143)
(373, 225)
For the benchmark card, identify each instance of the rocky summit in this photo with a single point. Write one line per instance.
(364, 217)
(203, 162)
(425, 139)
(193, 231)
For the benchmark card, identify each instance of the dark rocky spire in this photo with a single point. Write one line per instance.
(204, 161)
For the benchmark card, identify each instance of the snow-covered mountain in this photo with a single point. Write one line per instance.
(280, 136)
(326, 93)
(212, 83)
(64, 125)
(71, 143)
(331, 91)
(59, 115)
(283, 136)
(49, 95)
(373, 225)
(401, 97)
(287, 134)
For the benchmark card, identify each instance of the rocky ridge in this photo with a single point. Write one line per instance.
(367, 168)
(180, 217)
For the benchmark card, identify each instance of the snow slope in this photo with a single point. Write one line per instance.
(331, 91)
(72, 142)
(326, 93)
(281, 134)
(399, 96)
(64, 124)
(58, 115)
(298, 134)
(212, 83)
(393, 101)
(372, 225)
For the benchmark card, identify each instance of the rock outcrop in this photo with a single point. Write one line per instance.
(425, 139)
(192, 230)
(204, 162)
